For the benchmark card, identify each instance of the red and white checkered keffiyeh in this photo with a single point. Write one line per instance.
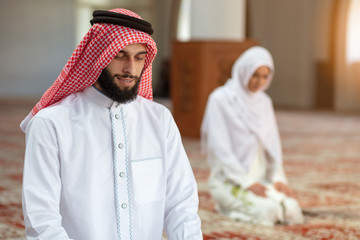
(95, 51)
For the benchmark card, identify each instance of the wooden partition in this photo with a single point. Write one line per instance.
(197, 68)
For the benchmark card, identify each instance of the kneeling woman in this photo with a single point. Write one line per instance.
(240, 136)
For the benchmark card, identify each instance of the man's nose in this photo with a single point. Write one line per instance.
(129, 67)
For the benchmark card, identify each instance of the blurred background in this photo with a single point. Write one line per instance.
(315, 43)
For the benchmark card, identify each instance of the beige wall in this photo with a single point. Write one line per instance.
(348, 88)
(40, 35)
(347, 77)
(285, 27)
(298, 35)
(37, 38)
(37, 41)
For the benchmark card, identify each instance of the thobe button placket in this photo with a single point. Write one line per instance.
(122, 183)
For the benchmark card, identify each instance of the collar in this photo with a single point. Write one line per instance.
(98, 97)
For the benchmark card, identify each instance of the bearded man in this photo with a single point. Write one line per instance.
(102, 160)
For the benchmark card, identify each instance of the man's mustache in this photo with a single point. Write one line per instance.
(126, 76)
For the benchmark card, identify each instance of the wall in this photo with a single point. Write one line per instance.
(347, 78)
(302, 36)
(285, 27)
(37, 38)
(37, 41)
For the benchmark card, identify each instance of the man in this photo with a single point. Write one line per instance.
(102, 160)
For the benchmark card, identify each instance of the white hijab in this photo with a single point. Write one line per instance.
(254, 111)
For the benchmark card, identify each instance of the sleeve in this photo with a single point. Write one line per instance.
(42, 183)
(278, 174)
(181, 219)
(217, 143)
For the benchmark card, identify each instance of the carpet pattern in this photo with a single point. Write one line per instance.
(321, 159)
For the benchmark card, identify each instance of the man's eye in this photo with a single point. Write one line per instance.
(140, 57)
(119, 56)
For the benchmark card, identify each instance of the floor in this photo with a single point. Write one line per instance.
(321, 159)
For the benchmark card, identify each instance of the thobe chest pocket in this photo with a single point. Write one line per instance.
(148, 179)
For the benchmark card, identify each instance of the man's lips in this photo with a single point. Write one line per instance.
(126, 81)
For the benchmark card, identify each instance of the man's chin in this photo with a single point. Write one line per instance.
(125, 88)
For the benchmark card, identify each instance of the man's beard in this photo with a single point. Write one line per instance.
(110, 89)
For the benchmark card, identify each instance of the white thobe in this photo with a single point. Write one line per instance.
(98, 170)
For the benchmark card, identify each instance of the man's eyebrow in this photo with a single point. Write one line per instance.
(125, 52)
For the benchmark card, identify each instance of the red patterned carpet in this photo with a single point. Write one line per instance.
(322, 161)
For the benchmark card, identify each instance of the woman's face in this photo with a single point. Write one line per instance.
(258, 79)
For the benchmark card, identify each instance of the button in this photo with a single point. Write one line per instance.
(122, 174)
(123, 205)
(117, 116)
(121, 146)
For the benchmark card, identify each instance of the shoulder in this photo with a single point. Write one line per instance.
(146, 111)
(152, 106)
(155, 116)
(60, 109)
(268, 99)
(218, 93)
(217, 98)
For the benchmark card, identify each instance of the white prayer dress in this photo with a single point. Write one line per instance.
(240, 137)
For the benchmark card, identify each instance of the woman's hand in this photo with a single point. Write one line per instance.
(258, 189)
(281, 187)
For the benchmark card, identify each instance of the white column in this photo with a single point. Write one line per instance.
(217, 20)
